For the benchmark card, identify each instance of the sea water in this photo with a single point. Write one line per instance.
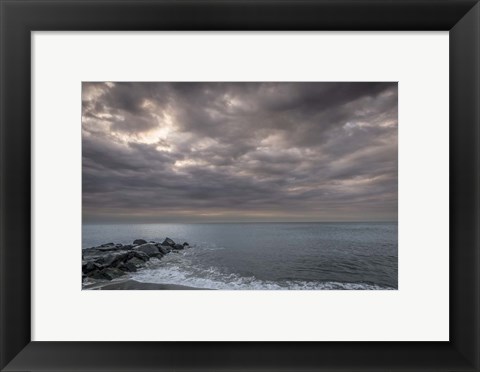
(265, 255)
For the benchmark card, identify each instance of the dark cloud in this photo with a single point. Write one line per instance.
(239, 151)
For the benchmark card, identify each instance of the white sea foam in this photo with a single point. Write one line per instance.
(177, 271)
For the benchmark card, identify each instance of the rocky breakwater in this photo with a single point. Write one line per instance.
(109, 261)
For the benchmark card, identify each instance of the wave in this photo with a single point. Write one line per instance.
(178, 272)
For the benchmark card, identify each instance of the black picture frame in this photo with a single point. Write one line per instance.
(18, 18)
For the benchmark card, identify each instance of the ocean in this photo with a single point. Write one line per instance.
(263, 256)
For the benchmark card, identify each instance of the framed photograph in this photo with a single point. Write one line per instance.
(276, 185)
(219, 185)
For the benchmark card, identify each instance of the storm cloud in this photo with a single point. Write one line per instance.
(203, 152)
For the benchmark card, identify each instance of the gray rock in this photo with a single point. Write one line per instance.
(128, 266)
(105, 260)
(94, 274)
(113, 272)
(149, 248)
(91, 252)
(131, 266)
(135, 262)
(164, 248)
(140, 255)
(109, 248)
(88, 267)
(109, 273)
(121, 256)
(127, 247)
(168, 242)
(110, 261)
(113, 259)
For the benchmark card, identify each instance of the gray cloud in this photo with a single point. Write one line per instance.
(155, 152)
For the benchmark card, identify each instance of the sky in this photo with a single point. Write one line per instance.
(239, 152)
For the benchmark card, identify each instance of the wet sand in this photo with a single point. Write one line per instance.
(134, 285)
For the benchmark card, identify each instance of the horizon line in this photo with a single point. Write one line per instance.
(232, 222)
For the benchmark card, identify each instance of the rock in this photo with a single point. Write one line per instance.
(109, 273)
(113, 272)
(88, 267)
(128, 266)
(109, 261)
(113, 259)
(91, 252)
(131, 266)
(150, 249)
(168, 242)
(95, 274)
(108, 248)
(121, 256)
(139, 241)
(136, 262)
(140, 255)
(164, 248)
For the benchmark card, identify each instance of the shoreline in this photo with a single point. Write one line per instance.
(131, 284)
(112, 266)
(109, 264)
